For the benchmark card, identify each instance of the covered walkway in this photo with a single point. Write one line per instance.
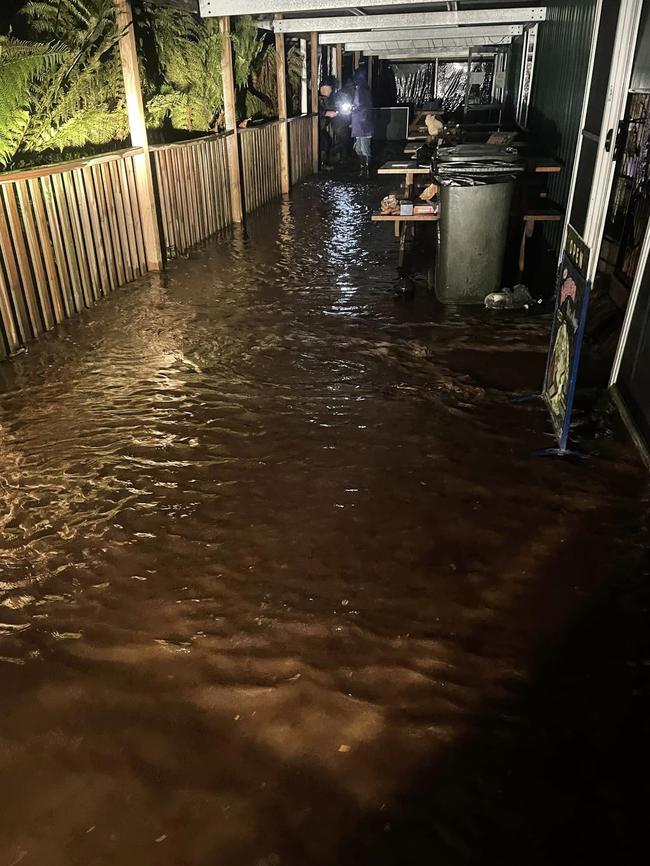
(282, 586)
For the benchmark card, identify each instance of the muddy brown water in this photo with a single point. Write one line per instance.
(281, 584)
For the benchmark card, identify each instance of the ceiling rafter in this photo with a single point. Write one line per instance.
(411, 20)
(406, 56)
(264, 7)
(420, 33)
(424, 46)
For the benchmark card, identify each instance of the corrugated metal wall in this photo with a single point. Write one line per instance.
(563, 53)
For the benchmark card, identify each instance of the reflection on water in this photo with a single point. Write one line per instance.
(271, 546)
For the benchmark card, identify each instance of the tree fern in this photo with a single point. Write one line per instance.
(69, 92)
(80, 98)
(189, 54)
(74, 21)
(21, 63)
(248, 46)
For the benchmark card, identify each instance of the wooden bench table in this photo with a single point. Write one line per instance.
(402, 224)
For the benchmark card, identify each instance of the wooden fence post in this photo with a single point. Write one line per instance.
(230, 111)
(315, 151)
(281, 73)
(304, 82)
(135, 108)
(357, 58)
(339, 63)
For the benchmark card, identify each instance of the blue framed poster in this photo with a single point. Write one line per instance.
(569, 319)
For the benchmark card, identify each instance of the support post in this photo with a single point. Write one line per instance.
(371, 60)
(315, 153)
(304, 81)
(138, 129)
(339, 63)
(281, 73)
(230, 112)
(357, 58)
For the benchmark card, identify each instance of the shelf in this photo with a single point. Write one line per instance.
(543, 214)
(543, 165)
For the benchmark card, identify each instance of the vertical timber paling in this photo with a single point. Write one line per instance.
(283, 137)
(135, 108)
(231, 119)
(313, 87)
(339, 63)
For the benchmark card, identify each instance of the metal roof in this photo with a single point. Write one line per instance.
(307, 9)
(389, 25)
(298, 8)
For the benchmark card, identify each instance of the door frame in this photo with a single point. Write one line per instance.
(637, 437)
(617, 90)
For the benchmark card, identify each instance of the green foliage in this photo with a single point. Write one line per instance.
(264, 77)
(21, 63)
(189, 56)
(77, 23)
(247, 48)
(66, 92)
(76, 96)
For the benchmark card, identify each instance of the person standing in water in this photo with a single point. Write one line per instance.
(334, 126)
(362, 120)
(326, 113)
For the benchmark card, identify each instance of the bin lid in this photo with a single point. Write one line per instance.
(475, 153)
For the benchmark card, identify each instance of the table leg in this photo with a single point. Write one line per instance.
(402, 244)
(431, 271)
(529, 228)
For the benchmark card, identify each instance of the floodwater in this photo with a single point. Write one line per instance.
(282, 585)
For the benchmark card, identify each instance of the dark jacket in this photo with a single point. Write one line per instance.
(362, 119)
(325, 103)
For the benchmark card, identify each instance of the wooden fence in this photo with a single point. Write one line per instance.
(300, 147)
(69, 234)
(72, 233)
(260, 148)
(193, 191)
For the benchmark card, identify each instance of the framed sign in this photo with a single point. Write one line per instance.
(569, 319)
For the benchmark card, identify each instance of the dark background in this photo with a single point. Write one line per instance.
(8, 17)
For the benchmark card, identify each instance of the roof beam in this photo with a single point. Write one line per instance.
(440, 54)
(216, 8)
(420, 33)
(409, 19)
(423, 45)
